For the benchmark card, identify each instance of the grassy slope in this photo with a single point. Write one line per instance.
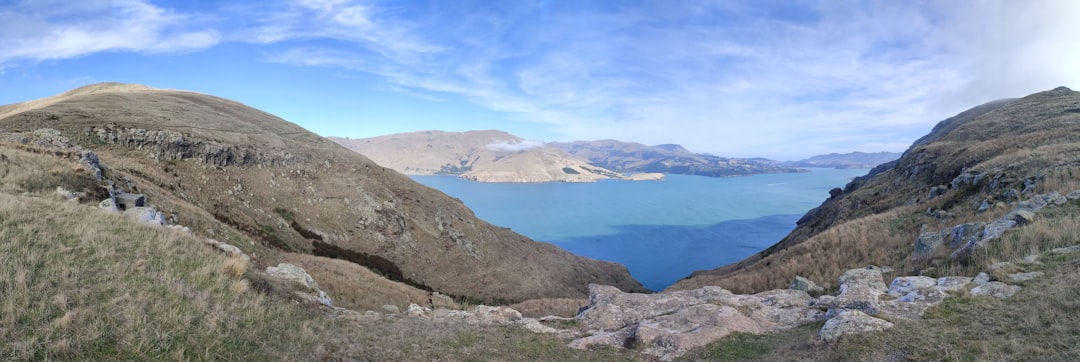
(1036, 136)
(352, 202)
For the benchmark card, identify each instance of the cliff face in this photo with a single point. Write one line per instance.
(990, 154)
(629, 157)
(224, 168)
(485, 156)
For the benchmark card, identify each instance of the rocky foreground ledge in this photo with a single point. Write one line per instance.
(668, 324)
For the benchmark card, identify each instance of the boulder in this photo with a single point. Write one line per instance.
(666, 324)
(803, 284)
(860, 289)
(128, 200)
(952, 284)
(293, 273)
(108, 205)
(981, 279)
(145, 215)
(851, 321)
(1023, 277)
(904, 285)
(995, 289)
(670, 335)
(228, 250)
(390, 308)
(306, 287)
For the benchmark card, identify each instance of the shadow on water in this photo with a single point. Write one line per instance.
(660, 255)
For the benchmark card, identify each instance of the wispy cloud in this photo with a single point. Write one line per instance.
(739, 78)
(515, 146)
(36, 31)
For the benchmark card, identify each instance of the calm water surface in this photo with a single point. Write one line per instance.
(662, 231)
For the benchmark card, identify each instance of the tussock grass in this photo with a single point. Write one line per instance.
(79, 283)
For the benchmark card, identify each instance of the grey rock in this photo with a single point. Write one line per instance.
(390, 308)
(1011, 194)
(1023, 217)
(1066, 250)
(904, 285)
(851, 321)
(128, 200)
(803, 284)
(1023, 277)
(145, 215)
(981, 279)
(952, 284)
(983, 206)
(995, 289)
(108, 205)
(927, 243)
(1073, 195)
(293, 273)
(228, 250)
(1029, 184)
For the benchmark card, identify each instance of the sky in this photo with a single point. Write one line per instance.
(756, 78)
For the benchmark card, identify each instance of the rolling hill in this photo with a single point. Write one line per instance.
(281, 193)
(667, 159)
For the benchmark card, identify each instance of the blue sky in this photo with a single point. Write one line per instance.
(778, 79)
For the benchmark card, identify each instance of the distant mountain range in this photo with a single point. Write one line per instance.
(486, 156)
(667, 158)
(496, 156)
(848, 160)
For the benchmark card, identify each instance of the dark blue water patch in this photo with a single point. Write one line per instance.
(660, 255)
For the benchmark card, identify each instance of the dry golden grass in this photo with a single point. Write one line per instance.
(355, 287)
(79, 283)
(561, 307)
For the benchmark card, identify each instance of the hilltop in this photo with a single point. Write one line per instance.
(668, 159)
(486, 156)
(282, 193)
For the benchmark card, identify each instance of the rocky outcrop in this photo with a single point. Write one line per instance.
(668, 324)
(803, 284)
(962, 240)
(173, 145)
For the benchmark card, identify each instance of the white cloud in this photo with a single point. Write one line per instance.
(514, 146)
(36, 33)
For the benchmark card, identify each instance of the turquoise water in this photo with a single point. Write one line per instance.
(662, 231)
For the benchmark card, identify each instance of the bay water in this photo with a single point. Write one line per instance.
(660, 230)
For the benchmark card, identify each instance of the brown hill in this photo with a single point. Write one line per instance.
(235, 173)
(993, 154)
(631, 157)
(486, 156)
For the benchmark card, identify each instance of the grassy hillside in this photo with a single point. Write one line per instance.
(876, 219)
(253, 180)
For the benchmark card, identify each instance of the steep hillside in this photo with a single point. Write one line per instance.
(485, 156)
(974, 167)
(236, 174)
(668, 159)
(848, 160)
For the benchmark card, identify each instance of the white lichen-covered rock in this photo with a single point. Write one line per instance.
(145, 215)
(108, 205)
(852, 321)
(860, 289)
(308, 288)
(293, 273)
(228, 250)
(667, 324)
(1023, 277)
(995, 289)
(952, 284)
(904, 285)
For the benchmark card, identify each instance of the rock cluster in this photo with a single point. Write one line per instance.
(668, 324)
(962, 240)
